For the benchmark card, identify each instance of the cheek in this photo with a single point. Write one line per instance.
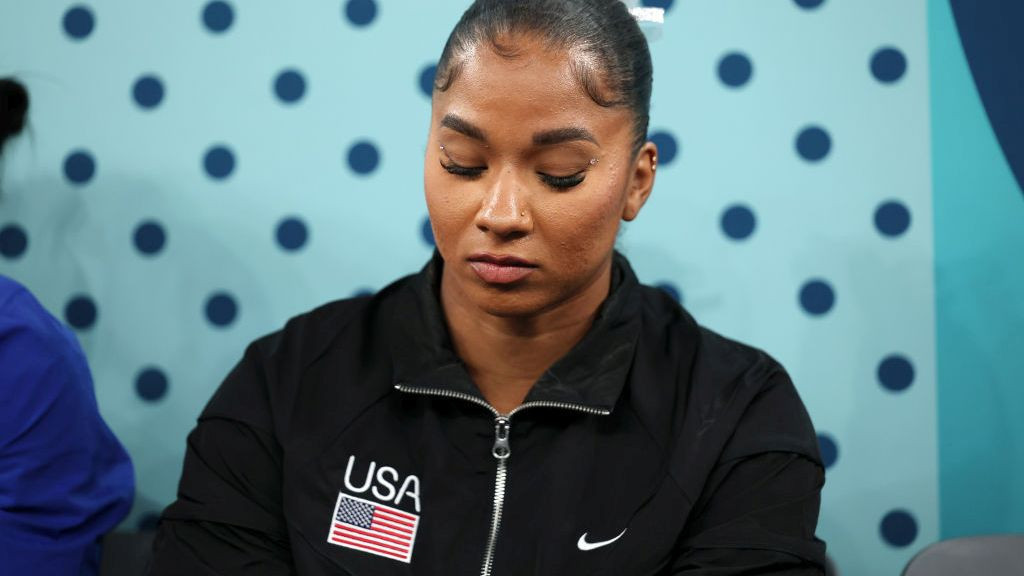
(436, 209)
(447, 212)
(587, 225)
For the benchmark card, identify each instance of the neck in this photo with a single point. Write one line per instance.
(505, 355)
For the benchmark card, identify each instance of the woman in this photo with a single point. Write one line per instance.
(522, 405)
(65, 480)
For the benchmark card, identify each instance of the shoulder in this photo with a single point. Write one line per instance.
(308, 336)
(666, 319)
(709, 360)
(730, 393)
(740, 368)
(753, 394)
(291, 369)
(25, 321)
(49, 415)
(36, 347)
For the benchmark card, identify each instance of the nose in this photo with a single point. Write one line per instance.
(504, 211)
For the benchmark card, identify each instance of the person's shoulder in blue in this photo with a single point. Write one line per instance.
(65, 480)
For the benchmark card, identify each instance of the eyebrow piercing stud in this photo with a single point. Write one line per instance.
(593, 161)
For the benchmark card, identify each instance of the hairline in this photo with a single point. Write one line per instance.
(588, 75)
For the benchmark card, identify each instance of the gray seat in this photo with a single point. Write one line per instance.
(998, 555)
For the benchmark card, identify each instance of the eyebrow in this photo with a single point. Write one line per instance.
(546, 138)
(463, 127)
(562, 135)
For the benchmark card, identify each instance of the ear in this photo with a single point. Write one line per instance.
(641, 180)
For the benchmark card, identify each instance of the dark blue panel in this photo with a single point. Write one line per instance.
(990, 32)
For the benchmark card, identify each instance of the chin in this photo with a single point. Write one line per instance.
(507, 303)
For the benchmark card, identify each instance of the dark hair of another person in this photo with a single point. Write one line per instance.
(611, 58)
(13, 109)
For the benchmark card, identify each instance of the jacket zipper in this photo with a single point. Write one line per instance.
(501, 450)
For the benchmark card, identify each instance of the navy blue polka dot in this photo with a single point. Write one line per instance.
(898, 528)
(888, 65)
(362, 292)
(290, 86)
(218, 16)
(80, 312)
(738, 222)
(892, 218)
(666, 4)
(427, 79)
(817, 297)
(735, 69)
(292, 234)
(360, 12)
(671, 289)
(219, 162)
(813, 143)
(149, 237)
(426, 232)
(13, 241)
(829, 450)
(221, 309)
(809, 4)
(151, 384)
(148, 91)
(79, 167)
(148, 522)
(896, 373)
(363, 157)
(667, 147)
(79, 22)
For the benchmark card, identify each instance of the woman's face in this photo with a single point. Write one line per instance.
(527, 180)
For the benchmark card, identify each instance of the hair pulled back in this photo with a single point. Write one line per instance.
(610, 54)
(13, 109)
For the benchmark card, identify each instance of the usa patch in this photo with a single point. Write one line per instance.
(371, 527)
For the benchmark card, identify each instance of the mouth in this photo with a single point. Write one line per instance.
(500, 269)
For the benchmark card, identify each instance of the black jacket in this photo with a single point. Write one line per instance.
(354, 442)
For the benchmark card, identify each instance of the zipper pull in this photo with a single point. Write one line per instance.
(502, 427)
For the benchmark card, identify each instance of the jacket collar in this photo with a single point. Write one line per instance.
(592, 374)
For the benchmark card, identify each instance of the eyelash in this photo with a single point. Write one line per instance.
(557, 182)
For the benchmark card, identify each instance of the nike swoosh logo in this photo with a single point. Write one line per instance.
(582, 543)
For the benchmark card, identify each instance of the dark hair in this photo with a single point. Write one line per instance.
(13, 108)
(601, 29)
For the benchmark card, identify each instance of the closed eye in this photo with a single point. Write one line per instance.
(557, 182)
(464, 171)
(562, 182)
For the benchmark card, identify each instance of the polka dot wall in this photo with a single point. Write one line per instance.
(795, 214)
(198, 172)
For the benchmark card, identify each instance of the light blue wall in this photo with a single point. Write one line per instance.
(736, 156)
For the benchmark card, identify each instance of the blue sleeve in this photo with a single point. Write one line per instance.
(65, 480)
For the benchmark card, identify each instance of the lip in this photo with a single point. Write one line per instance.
(500, 268)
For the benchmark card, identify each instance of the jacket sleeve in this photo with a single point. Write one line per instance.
(758, 511)
(65, 480)
(228, 516)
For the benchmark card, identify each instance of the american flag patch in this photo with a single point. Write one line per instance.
(374, 528)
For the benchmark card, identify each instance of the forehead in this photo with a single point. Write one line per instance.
(537, 87)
